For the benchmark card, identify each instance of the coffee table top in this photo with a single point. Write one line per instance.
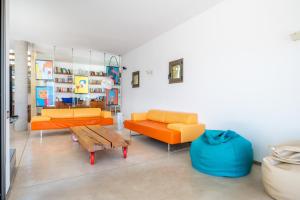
(100, 135)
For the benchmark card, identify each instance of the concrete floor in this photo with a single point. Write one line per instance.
(58, 168)
(18, 141)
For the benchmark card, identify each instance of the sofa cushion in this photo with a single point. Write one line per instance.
(189, 132)
(87, 112)
(106, 114)
(154, 129)
(180, 117)
(156, 115)
(62, 123)
(40, 118)
(138, 116)
(57, 113)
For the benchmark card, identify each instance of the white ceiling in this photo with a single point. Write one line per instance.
(115, 26)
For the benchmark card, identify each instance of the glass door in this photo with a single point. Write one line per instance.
(4, 105)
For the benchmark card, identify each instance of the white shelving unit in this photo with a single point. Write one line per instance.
(78, 69)
(82, 70)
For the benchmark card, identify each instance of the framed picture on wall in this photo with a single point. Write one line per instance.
(135, 82)
(81, 84)
(113, 73)
(44, 69)
(112, 96)
(176, 71)
(44, 96)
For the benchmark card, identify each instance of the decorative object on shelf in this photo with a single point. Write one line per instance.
(113, 72)
(135, 79)
(81, 85)
(107, 83)
(68, 100)
(44, 96)
(44, 69)
(176, 71)
(112, 96)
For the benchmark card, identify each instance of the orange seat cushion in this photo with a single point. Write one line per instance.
(61, 123)
(154, 129)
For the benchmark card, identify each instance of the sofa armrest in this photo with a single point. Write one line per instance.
(105, 114)
(40, 118)
(189, 132)
(138, 116)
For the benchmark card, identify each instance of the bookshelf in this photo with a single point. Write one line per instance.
(63, 81)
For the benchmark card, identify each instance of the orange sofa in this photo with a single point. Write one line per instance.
(166, 126)
(66, 118)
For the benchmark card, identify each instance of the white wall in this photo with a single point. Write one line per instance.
(241, 71)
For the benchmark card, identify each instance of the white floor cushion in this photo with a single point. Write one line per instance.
(281, 173)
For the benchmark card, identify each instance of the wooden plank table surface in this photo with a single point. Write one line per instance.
(95, 137)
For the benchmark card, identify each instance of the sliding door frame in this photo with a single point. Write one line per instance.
(3, 100)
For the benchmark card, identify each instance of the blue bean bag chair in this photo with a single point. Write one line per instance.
(222, 153)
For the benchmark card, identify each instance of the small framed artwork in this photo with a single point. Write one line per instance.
(112, 96)
(44, 69)
(176, 71)
(44, 96)
(135, 79)
(113, 72)
(81, 85)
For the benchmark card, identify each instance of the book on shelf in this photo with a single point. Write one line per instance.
(64, 90)
(95, 82)
(64, 80)
(97, 90)
(93, 73)
(62, 70)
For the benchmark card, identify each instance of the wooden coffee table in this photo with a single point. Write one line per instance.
(95, 137)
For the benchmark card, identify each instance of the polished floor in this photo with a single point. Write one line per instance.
(58, 168)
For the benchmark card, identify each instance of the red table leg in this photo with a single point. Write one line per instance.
(124, 152)
(92, 158)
